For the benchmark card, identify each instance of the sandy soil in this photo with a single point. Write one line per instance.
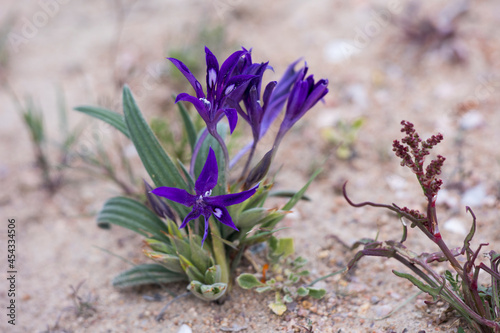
(85, 48)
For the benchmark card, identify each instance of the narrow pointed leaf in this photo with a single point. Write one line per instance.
(158, 164)
(132, 215)
(146, 274)
(251, 217)
(170, 261)
(112, 118)
(291, 203)
(188, 125)
(287, 194)
(193, 273)
(199, 257)
(159, 246)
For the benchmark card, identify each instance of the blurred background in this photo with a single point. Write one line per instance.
(436, 65)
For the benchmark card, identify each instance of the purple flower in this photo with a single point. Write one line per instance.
(202, 202)
(304, 95)
(221, 83)
(251, 99)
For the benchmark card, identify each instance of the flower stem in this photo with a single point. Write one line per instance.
(224, 150)
(196, 150)
(220, 253)
(249, 160)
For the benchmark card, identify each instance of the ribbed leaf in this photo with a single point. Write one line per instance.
(188, 125)
(146, 274)
(158, 164)
(132, 215)
(112, 118)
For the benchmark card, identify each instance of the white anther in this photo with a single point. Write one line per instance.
(206, 102)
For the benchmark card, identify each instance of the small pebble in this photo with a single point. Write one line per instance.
(185, 329)
(363, 308)
(382, 310)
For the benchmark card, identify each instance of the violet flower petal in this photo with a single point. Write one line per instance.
(198, 104)
(279, 96)
(228, 66)
(205, 233)
(189, 76)
(175, 194)
(231, 199)
(207, 179)
(222, 214)
(194, 214)
(212, 73)
(232, 118)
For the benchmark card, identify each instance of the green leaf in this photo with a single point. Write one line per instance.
(213, 274)
(170, 261)
(285, 247)
(132, 215)
(263, 289)
(248, 281)
(159, 246)
(158, 164)
(199, 257)
(260, 237)
(297, 196)
(146, 274)
(250, 217)
(192, 272)
(291, 203)
(188, 125)
(112, 118)
(288, 194)
(302, 291)
(278, 308)
(287, 299)
(316, 292)
(185, 171)
(207, 292)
